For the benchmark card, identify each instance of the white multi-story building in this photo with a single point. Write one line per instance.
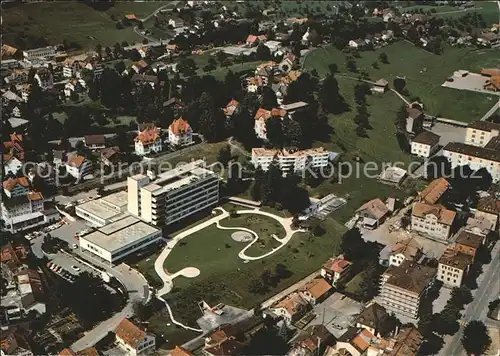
(78, 166)
(105, 210)
(148, 141)
(402, 287)
(132, 340)
(336, 270)
(425, 144)
(23, 209)
(453, 266)
(180, 133)
(476, 157)
(119, 239)
(290, 160)
(172, 195)
(479, 133)
(47, 52)
(432, 220)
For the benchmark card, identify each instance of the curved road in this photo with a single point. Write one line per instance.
(168, 6)
(160, 261)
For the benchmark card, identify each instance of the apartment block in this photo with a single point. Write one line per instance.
(402, 288)
(479, 133)
(172, 195)
(453, 266)
(290, 161)
(432, 220)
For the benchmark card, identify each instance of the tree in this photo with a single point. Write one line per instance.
(208, 125)
(432, 345)
(412, 35)
(256, 286)
(351, 65)
(263, 52)
(383, 58)
(446, 322)
(333, 68)
(142, 311)
(399, 84)
(460, 296)
(360, 92)
(292, 133)
(329, 96)
(224, 155)
(476, 339)
(80, 147)
(269, 100)
(274, 128)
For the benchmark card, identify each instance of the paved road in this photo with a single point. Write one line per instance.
(489, 289)
(491, 111)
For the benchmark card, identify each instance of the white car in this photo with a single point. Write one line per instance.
(75, 246)
(75, 268)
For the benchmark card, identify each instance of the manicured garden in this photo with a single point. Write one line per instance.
(424, 72)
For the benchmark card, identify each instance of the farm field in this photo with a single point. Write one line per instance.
(27, 25)
(424, 72)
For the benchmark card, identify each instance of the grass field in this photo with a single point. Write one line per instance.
(263, 226)
(425, 72)
(72, 21)
(224, 278)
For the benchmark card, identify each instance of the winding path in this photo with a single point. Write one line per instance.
(192, 272)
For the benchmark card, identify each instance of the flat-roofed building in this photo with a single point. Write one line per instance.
(119, 239)
(173, 195)
(489, 208)
(402, 287)
(453, 266)
(105, 210)
(291, 161)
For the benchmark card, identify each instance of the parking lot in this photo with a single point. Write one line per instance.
(471, 81)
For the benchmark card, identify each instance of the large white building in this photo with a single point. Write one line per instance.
(402, 287)
(105, 210)
(453, 266)
(479, 133)
(425, 144)
(47, 52)
(172, 195)
(291, 160)
(432, 220)
(148, 141)
(119, 239)
(476, 157)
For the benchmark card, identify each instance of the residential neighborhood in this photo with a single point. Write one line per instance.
(250, 178)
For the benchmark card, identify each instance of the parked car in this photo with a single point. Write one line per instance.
(75, 268)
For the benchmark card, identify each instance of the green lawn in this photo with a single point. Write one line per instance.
(205, 150)
(425, 72)
(263, 226)
(72, 21)
(224, 278)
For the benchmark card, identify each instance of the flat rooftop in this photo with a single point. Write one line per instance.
(119, 199)
(119, 234)
(97, 208)
(178, 177)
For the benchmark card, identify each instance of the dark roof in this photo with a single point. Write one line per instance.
(372, 316)
(469, 239)
(144, 78)
(95, 140)
(313, 335)
(173, 101)
(490, 204)
(494, 144)
(427, 138)
(455, 259)
(408, 342)
(480, 152)
(59, 154)
(484, 126)
(410, 276)
(414, 113)
(50, 211)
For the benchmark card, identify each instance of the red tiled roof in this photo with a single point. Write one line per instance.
(148, 136)
(11, 183)
(76, 161)
(130, 333)
(179, 126)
